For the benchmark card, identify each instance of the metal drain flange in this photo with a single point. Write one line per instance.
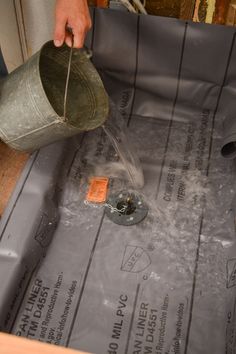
(126, 208)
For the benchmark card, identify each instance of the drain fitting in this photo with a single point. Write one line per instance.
(126, 208)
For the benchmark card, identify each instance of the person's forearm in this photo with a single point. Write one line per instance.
(74, 14)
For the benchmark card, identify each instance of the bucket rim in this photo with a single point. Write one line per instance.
(96, 112)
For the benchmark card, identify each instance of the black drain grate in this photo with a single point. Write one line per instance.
(126, 208)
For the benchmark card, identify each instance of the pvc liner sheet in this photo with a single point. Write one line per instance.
(167, 284)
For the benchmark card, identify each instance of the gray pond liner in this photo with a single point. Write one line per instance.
(167, 284)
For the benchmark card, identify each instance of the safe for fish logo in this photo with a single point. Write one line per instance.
(135, 259)
(231, 273)
(45, 230)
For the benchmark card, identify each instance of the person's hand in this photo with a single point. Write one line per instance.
(75, 15)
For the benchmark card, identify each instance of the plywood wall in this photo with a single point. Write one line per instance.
(9, 35)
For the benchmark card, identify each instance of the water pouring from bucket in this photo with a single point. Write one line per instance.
(118, 134)
(56, 94)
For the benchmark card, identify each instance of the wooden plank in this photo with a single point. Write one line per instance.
(9, 34)
(209, 11)
(168, 8)
(11, 166)
(187, 9)
(221, 11)
(204, 11)
(231, 15)
(10, 344)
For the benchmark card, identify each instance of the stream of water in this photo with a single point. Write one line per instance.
(117, 132)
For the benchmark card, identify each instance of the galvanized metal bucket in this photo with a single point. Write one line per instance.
(32, 99)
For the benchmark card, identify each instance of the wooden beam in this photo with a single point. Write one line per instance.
(231, 15)
(11, 166)
(221, 11)
(187, 9)
(169, 8)
(10, 344)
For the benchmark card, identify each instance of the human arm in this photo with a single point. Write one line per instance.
(75, 15)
